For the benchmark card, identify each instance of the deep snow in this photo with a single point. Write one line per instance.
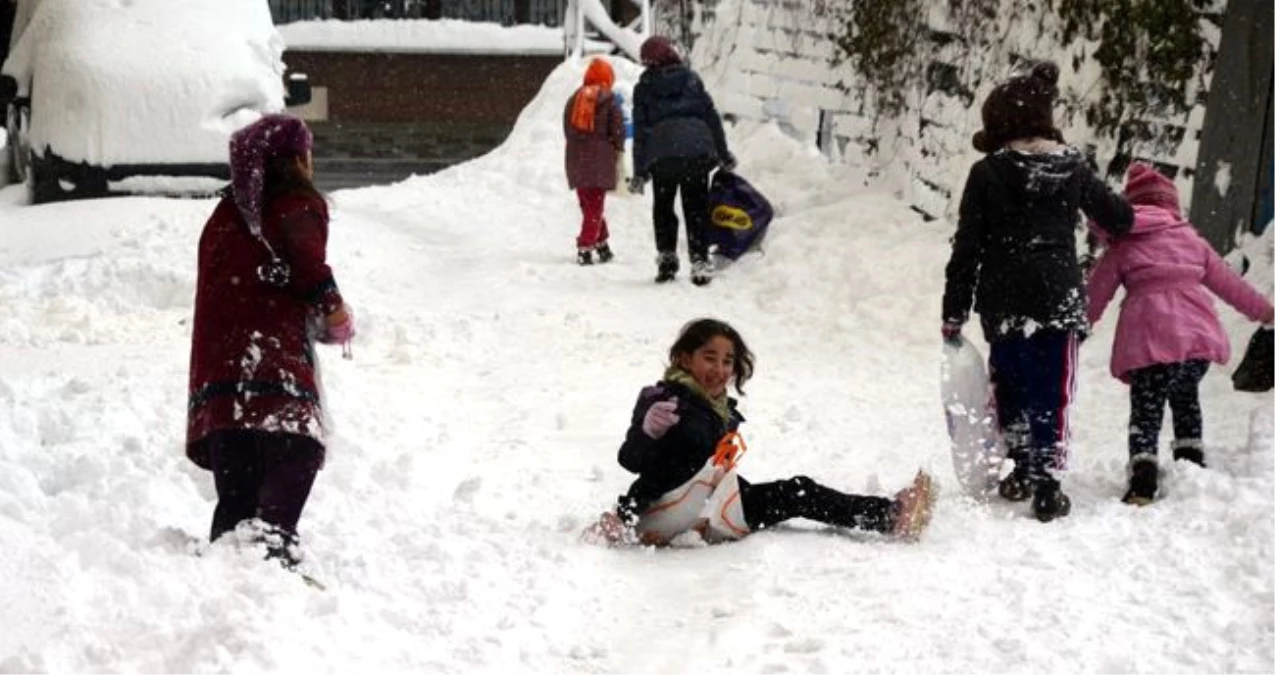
(475, 436)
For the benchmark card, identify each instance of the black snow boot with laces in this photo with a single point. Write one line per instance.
(666, 267)
(1016, 487)
(1049, 501)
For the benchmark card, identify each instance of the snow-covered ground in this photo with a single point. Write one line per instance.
(475, 437)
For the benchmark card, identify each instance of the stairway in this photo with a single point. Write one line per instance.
(357, 154)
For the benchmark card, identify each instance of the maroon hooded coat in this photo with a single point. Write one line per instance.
(591, 155)
(252, 359)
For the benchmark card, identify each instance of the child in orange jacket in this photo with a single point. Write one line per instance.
(593, 124)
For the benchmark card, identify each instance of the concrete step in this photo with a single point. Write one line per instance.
(359, 154)
(404, 141)
(347, 173)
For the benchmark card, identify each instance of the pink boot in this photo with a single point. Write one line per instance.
(913, 507)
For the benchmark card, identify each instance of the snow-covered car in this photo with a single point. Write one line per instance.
(137, 96)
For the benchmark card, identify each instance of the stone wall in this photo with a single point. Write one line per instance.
(773, 60)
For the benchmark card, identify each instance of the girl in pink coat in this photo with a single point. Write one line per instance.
(1168, 331)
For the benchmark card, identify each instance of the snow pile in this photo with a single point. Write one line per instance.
(1257, 254)
(475, 436)
(444, 36)
(146, 81)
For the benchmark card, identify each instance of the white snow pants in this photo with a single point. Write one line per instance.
(708, 503)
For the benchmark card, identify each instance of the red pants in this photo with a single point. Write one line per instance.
(593, 229)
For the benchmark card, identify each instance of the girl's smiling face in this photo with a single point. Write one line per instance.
(712, 365)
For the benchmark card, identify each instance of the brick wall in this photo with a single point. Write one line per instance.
(379, 117)
(381, 88)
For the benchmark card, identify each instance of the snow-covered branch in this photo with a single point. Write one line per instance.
(627, 39)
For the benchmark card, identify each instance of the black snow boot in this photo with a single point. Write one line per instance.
(1017, 486)
(666, 267)
(584, 256)
(604, 253)
(1190, 450)
(701, 272)
(1050, 502)
(1144, 480)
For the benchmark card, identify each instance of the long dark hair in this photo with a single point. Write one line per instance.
(697, 333)
(283, 176)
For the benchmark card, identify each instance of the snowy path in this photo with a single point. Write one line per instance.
(475, 433)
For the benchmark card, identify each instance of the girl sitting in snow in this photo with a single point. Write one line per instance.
(1168, 331)
(1014, 258)
(682, 445)
(594, 127)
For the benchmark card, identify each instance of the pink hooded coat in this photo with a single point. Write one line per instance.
(1167, 315)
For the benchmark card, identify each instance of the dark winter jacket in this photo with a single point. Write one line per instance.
(673, 459)
(591, 155)
(251, 357)
(1014, 252)
(673, 116)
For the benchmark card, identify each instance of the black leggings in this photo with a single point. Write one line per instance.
(766, 504)
(1149, 388)
(263, 475)
(690, 175)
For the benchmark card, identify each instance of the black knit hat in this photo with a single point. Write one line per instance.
(1021, 107)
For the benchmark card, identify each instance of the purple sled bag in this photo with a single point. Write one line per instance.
(738, 215)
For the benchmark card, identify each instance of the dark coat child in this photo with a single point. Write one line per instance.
(1014, 259)
(678, 140)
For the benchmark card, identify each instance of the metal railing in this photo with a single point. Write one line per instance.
(506, 12)
(287, 11)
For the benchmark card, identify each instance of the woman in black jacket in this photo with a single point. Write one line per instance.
(677, 141)
(1014, 257)
(677, 429)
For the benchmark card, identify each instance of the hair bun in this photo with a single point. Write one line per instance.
(982, 143)
(1047, 71)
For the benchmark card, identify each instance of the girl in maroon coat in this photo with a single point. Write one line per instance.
(264, 293)
(594, 127)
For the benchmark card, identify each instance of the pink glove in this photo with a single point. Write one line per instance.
(660, 417)
(340, 332)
